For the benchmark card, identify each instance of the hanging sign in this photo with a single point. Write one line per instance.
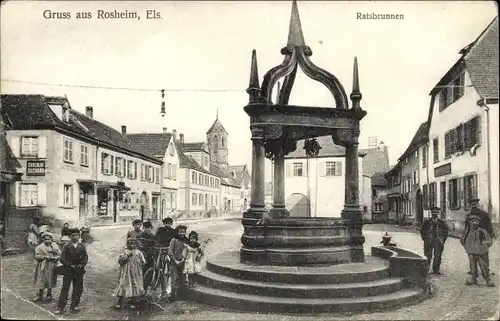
(35, 168)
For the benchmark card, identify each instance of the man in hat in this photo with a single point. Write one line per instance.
(74, 259)
(434, 233)
(484, 223)
(477, 243)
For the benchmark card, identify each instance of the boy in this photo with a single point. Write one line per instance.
(74, 259)
(148, 243)
(165, 233)
(477, 243)
(137, 231)
(175, 252)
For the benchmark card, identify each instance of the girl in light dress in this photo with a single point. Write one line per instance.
(47, 255)
(192, 254)
(130, 280)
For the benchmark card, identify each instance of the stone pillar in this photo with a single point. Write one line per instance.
(352, 212)
(279, 209)
(257, 205)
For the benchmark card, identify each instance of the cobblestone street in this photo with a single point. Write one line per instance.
(452, 301)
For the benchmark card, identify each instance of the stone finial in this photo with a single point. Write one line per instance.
(295, 34)
(253, 86)
(356, 94)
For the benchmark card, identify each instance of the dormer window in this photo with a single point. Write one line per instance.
(452, 92)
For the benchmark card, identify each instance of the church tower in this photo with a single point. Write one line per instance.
(217, 139)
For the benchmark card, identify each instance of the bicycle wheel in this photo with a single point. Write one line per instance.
(154, 285)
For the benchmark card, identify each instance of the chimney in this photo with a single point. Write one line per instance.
(124, 130)
(181, 138)
(164, 130)
(89, 111)
(174, 133)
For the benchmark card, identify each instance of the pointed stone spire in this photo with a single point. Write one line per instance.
(295, 34)
(254, 87)
(356, 94)
(217, 114)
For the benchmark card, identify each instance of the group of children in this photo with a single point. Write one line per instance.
(73, 258)
(184, 256)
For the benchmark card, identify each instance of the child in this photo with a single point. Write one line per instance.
(165, 233)
(65, 233)
(74, 258)
(33, 232)
(147, 244)
(137, 231)
(477, 243)
(86, 237)
(46, 256)
(130, 278)
(175, 252)
(192, 256)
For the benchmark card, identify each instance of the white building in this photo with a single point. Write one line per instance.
(460, 161)
(320, 180)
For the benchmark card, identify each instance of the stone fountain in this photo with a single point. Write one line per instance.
(305, 264)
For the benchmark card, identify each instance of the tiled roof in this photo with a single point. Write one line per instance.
(420, 137)
(328, 148)
(225, 176)
(152, 144)
(10, 163)
(482, 62)
(32, 112)
(376, 159)
(378, 179)
(241, 174)
(190, 147)
(216, 126)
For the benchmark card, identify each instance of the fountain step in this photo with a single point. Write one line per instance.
(250, 302)
(229, 264)
(292, 290)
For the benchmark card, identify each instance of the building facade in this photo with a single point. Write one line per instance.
(76, 168)
(394, 182)
(314, 187)
(380, 202)
(462, 152)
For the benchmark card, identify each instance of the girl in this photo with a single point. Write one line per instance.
(33, 232)
(131, 283)
(85, 232)
(46, 255)
(192, 256)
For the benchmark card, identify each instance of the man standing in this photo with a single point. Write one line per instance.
(434, 233)
(484, 223)
(74, 259)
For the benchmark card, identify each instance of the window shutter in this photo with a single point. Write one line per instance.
(289, 170)
(102, 163)
(61, 195)
(450, 194)
(15, 146)
(338, 168)
(42, 194)
(322, 170)
(135, 170)
(42, 147)
(18, 194)
(475, 188)
(477, 120)
(112, 167)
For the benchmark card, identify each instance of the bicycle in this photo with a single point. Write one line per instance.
(157, 280)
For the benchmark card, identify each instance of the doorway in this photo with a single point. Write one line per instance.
(84, 201)
(420, 207)
(442, 187)
(298, 205)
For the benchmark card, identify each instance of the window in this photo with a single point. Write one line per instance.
(132, 170)
(432, 194)
(200, 179)
(68, 196)
(193, 177)
(119, 168)
(377, 208)
(425, 196)
(452, 93)
(84, 155)
(200, 199)
(472, 133)
(150, 174)
(470, 189)
(453, 194)
(106, 164)
(450, 140)
(212, 184)
(194, 198)
(29, 147)
(206, 181)
(169, 171)
(333, 169)
(143, 174)
(435, 146)
(297, 169)
(29, 195)
(424, 156)
(415, 177)
(157, 175)
(171, 149)
(68, 151)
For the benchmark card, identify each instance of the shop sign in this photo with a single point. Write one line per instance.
(442, 170)
(35, 168)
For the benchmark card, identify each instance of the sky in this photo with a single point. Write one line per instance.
(207, 45)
